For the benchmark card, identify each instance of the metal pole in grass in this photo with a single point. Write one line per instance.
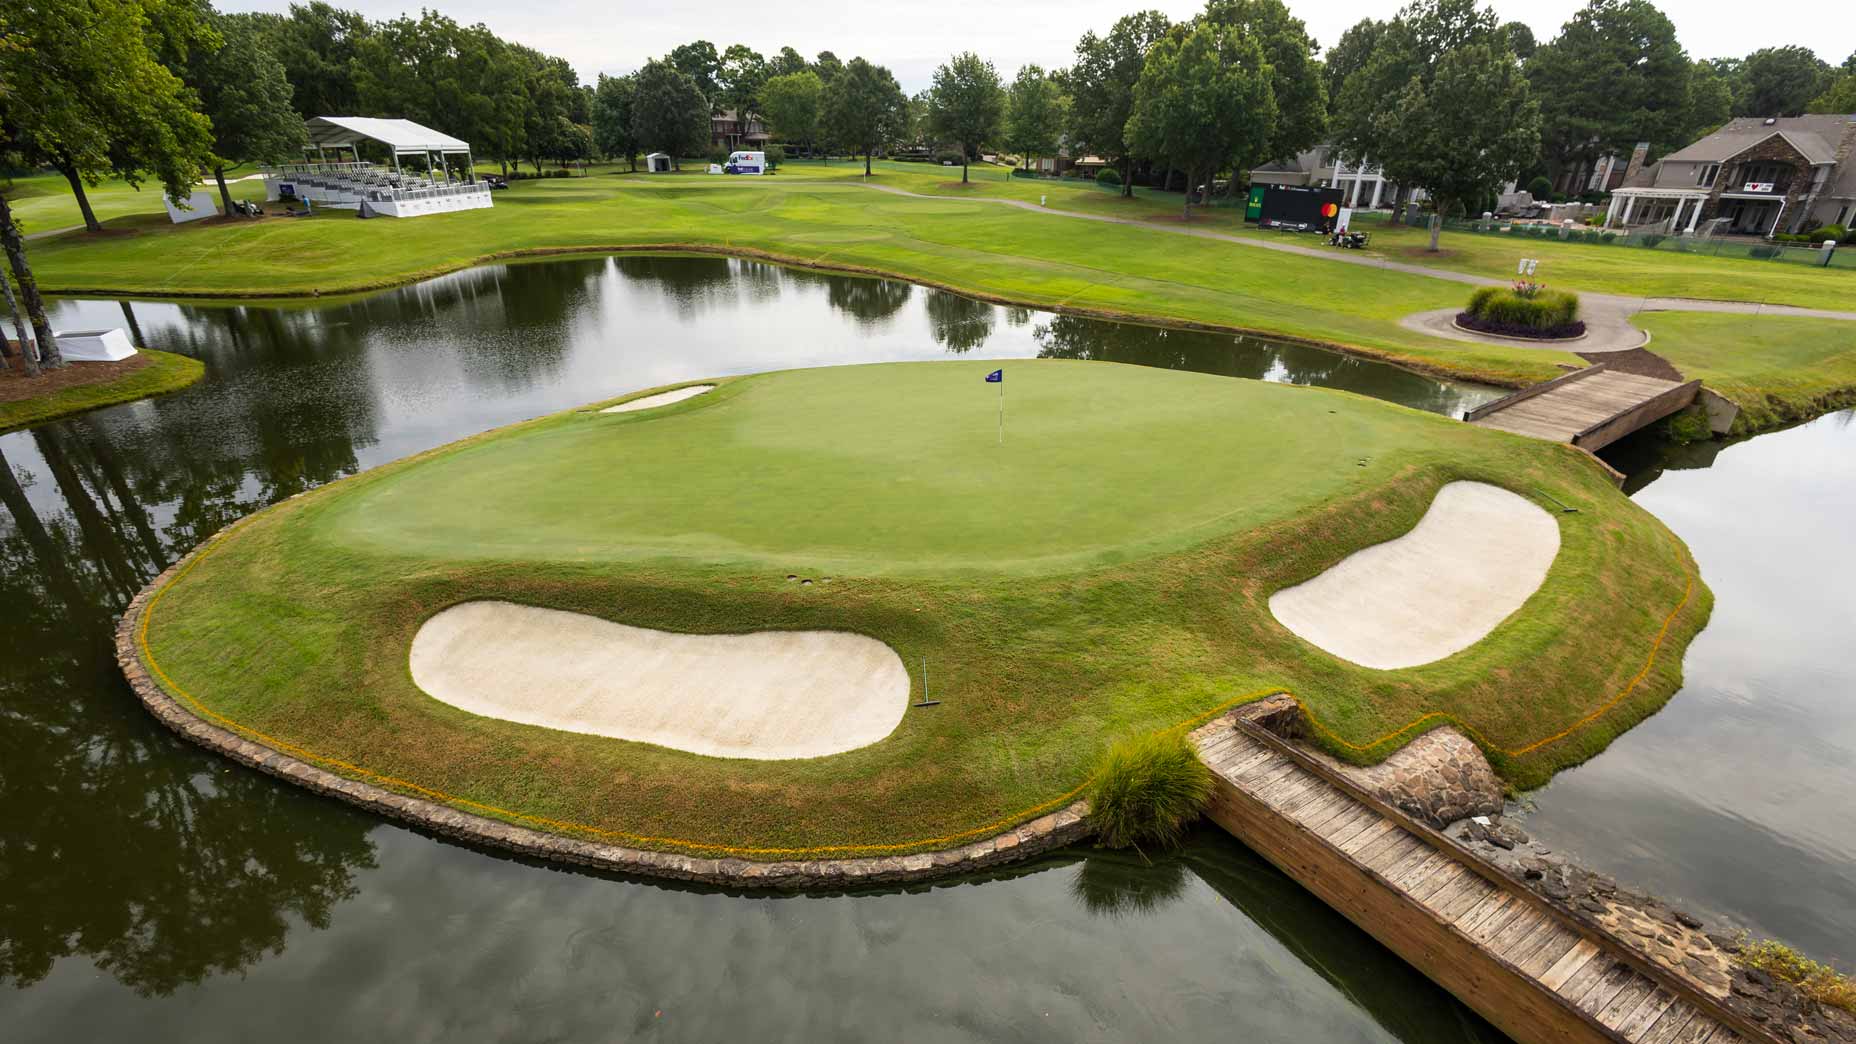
(926, 702)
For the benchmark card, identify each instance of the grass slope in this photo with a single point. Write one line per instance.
(164, 372)
(1780, 369)
(1106, 573)
(44, 202)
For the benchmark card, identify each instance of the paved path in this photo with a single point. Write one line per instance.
(50, 232)
(1607, 316)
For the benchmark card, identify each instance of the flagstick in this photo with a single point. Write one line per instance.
(1001, 412)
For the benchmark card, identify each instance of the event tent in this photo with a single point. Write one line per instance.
(401, 138)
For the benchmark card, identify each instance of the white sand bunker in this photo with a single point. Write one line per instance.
(1474, 557)
(651, 402)
(775, 694)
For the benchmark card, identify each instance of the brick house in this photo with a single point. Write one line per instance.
(728, 130)
(1758, 176)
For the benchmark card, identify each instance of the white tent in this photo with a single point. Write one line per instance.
(657, 163)
(401, 137)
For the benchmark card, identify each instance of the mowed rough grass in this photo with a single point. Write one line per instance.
(1103, 574)
(1780, 369)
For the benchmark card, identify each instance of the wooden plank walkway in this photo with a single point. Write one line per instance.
(1590, 408)
(1501, 949)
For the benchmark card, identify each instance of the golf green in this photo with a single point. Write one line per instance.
(1102, 569)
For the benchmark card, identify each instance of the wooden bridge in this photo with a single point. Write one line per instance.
(1522, 963)
(1589, 408)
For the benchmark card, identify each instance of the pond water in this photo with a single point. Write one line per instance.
(149, 890)
(152, 891)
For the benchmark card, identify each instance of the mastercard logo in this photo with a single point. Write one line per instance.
(1330, 209)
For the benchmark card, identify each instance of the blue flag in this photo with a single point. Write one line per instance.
(996, 377)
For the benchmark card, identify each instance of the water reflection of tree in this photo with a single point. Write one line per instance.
(159, 862)
(872, 302)
(1240, 355)
(1121, 884)
(693, 285)
(959, 324)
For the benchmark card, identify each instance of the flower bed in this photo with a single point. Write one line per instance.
(1523, 310)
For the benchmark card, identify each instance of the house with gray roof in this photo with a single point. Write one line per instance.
(1758, 176)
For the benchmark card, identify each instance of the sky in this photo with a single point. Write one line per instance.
(911, 37)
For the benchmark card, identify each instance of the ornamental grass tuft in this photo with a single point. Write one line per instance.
(1820, 982)
(1147, 790)
(1524, 305)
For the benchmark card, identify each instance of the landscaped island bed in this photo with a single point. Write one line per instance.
(77, 387)
(1103, 572)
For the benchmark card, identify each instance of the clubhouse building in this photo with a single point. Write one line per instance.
(1755, 176)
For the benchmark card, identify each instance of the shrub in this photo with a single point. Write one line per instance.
(1148, 789)
(1025, 172)
(1109, 176)
(776, 155)
(945, 157)
(1540, 187)
(1523, 310)
(1820, 982)
(719, 154)
(1765, 251)
(1650, 239)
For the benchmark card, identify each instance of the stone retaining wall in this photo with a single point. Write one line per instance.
(1063, 827)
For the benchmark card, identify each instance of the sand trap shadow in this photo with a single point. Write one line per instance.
(1477, 554)
(768, 695)
(651, 402)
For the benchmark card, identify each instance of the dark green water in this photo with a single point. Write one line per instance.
(152, 892)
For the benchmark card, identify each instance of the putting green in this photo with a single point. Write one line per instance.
(895, 467)
(1106, 570)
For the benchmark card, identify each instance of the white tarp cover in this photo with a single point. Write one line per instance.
(398, 135)
(94, 345)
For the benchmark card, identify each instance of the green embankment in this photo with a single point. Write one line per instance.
(165, 372)
(1779, 369)
(1104, 572)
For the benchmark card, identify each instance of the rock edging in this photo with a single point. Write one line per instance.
(1053, 830)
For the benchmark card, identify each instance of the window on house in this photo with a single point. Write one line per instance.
(1709, 171)
(1843, 216)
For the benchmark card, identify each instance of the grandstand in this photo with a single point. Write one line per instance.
(425, 176)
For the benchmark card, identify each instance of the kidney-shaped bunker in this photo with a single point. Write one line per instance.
(1478, 553)
(767, 695)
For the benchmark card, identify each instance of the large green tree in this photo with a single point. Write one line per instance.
(1614, 76)
(1295, 74)
(1780, 81)
(1407, 49)
(700, 62)
(966, 105)
(243, 91)
(1204, 100)
(1462, 133)
(1350, 54)
(1840, 98)
(317, 44)
(1710, 100)
(786, 63)
(86, 93)
(864, 108)
(670, 113)
(1034, 114)
(743, 74)
(793, 104)
(1102, 88)
(613, 98)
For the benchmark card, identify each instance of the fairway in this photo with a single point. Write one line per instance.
(1104, 571)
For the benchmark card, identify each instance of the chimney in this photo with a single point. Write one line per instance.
(1638, 157)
